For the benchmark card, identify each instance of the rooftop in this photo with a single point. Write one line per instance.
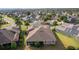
(7, 36)
(42, 33)
(69, 28)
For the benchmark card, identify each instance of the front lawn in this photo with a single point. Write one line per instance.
(67, 41)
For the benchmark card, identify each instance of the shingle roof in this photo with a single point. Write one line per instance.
(7, 36)
(72, 30)
(42, 33)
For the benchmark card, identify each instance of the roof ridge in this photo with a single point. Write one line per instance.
(39, 32)
(33, 32)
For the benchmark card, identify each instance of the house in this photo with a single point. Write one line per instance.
(69, 29)
(50, 22)
(72, 19)
(41, 34)
(37, 17)
(36, 23)
(8, 36)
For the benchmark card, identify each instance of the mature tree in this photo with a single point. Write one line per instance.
(26, 23)
(54, 23)
(28, 13)
(18, 22)
(59, 20)
(53, 14)
(47, 17)
(64, 18)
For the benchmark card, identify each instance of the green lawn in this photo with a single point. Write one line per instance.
(4, 26)
(23, 27)
(9, 24)
(67, 41)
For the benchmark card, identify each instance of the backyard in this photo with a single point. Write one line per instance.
(67, 41)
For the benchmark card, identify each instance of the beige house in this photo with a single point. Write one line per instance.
(8, 36)
(41, 34)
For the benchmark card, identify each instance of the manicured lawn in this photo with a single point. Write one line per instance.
(4, 26)
(10, 20)
(67, 41)
(23, 27)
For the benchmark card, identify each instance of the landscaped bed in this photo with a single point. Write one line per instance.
(67, 41)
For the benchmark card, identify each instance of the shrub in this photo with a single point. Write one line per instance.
(7, 46)
(1, 47)
(39, 44)
(27, 23)
(59, 20)
(71, 48)
(53, 29)
(13, 45)
(54, 23)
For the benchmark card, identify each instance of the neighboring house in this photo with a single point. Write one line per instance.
(54, 17)
(8, 36)
(36, 23)
(41, 34)
(37, 17)
(24, 18)
(69, 29)
(72, 19)
(50, 22)
(29, 18)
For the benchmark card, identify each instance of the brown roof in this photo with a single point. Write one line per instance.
(7, 36)
(42, 33)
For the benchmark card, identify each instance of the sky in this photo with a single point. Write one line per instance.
(39, 3)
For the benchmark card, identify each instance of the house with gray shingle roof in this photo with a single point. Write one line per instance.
(41, 34)
(8, 36)
(69, 29)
